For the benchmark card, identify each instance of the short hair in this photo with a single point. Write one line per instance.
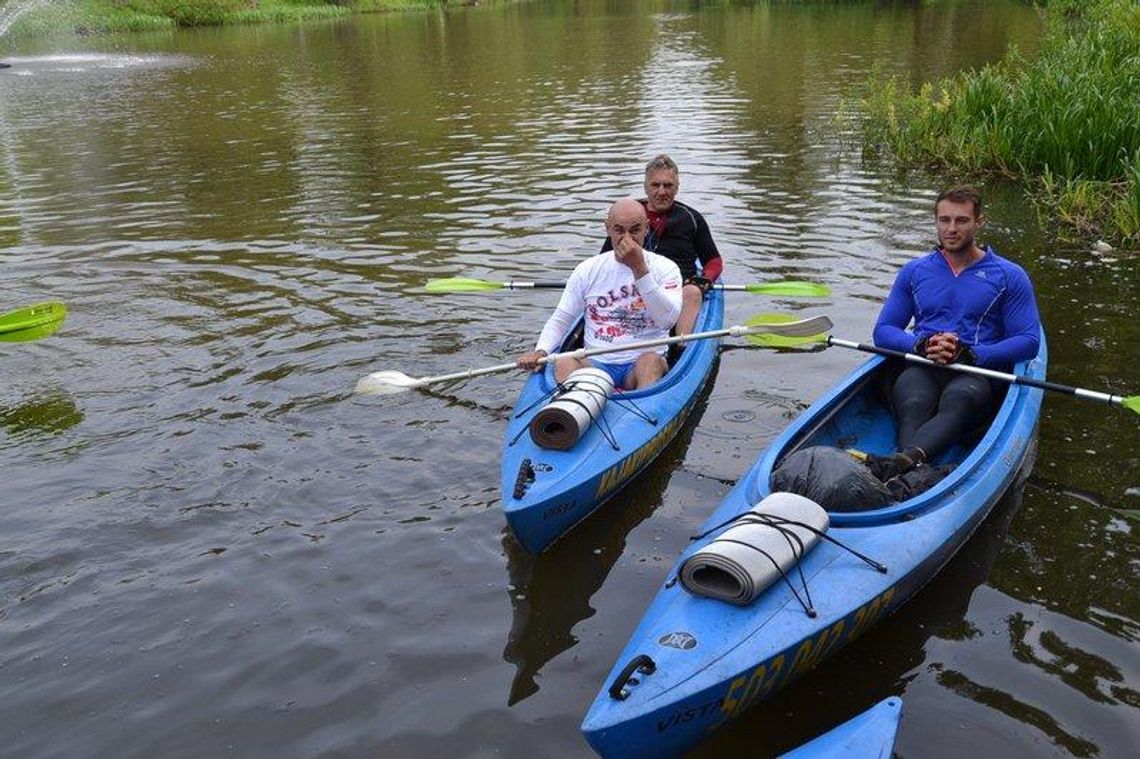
(661, 161)
(961, 194)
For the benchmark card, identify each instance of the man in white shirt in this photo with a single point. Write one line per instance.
(627, 295)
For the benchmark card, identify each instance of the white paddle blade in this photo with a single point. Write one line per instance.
(386, 383)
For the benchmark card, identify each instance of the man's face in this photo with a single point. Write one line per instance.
(957, 225)
(661, 188)
(627, 219)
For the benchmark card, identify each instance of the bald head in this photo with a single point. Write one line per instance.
(627, 216)
(627, 225)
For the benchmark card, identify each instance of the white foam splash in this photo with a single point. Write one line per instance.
(81, 62)
(14, 10)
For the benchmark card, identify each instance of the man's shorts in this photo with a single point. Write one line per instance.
(617, 372)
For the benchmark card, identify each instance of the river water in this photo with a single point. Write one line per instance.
(211, 547)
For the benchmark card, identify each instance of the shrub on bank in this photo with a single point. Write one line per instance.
(1065, 122)
(196, 13)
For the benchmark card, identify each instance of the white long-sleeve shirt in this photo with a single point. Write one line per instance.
(618, 309)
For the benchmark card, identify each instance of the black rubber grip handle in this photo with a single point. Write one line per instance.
(640, 663)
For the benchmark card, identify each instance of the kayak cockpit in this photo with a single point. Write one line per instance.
(857, 416)
(680, 359)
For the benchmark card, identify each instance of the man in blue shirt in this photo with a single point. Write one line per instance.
(969, 305)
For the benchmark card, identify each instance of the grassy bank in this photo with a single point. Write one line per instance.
(104, 16)
(1065, 123)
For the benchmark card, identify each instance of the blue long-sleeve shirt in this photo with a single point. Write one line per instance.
(990, 306)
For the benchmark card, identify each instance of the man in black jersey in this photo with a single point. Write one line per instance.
(681, 234)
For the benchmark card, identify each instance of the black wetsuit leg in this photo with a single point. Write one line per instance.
(960, 401)
(915, 399)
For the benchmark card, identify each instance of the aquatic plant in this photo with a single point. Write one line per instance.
(1066, 121)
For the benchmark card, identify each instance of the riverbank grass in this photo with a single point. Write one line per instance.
(109, 16)
(1065, 122)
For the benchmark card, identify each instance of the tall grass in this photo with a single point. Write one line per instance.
(1067, 122)
(100, 16)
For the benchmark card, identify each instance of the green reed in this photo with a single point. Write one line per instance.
(1067, 122)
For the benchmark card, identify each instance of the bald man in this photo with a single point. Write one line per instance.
(627, 295)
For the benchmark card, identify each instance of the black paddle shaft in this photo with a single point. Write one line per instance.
(1015, 379)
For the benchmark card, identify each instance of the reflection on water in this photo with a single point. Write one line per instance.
(550, 592)
(211, 547)
(48, 413)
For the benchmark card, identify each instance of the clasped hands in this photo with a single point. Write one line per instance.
(944, 348)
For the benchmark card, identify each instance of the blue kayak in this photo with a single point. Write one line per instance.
(546, 491)
(870, 735)
(694, 662)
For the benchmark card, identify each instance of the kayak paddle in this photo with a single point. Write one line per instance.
(790, 288)
(775, 339)
(1132, 402)
(390, 382)
(32, 322)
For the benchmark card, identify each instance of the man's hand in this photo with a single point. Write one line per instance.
(628, 251)
(701, 282)
(942, 348)
(530, 360)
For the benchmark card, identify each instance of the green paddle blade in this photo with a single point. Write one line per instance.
(792, 288)
(461, 285)
(1132, 403)
(31, 333)
(768, 340)
(32, 322)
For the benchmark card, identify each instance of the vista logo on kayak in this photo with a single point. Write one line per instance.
(681, 640)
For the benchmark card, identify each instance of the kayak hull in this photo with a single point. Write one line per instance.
(869, 735)
(546, 492)
(711, 661)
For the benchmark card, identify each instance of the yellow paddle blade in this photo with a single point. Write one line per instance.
(461, 285)
(791, 288)
(1132, 403)
(32, 322)
(31, 333)
(769, 340)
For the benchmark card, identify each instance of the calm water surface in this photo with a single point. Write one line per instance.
(210, 547)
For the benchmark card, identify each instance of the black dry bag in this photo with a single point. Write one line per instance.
(832, 478)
